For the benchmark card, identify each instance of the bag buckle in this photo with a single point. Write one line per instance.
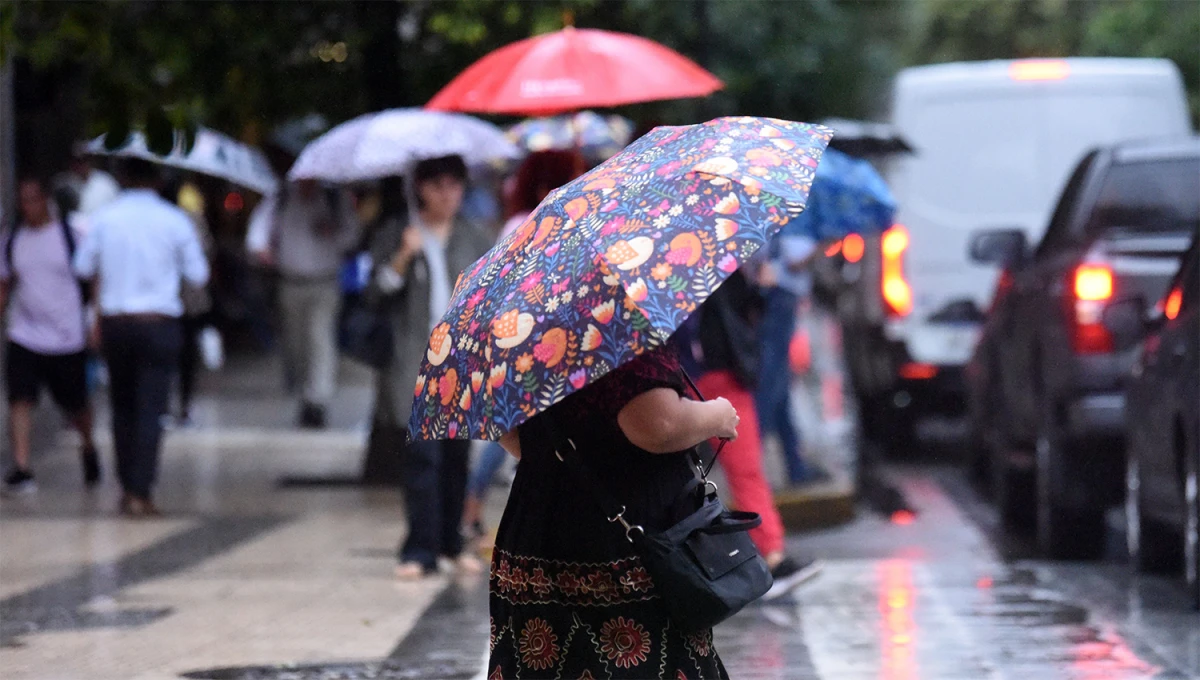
(629, 528)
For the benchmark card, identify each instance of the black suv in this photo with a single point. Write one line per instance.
(1046, 388)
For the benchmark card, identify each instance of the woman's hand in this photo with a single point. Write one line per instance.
(726, 418)
(410, 245)
(511, 441)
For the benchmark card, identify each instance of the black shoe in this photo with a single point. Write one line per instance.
(20, 481)
(312, 416)
(91, 466)
(789, 574)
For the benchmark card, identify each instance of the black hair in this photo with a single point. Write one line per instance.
(140, 171)
(434, 168)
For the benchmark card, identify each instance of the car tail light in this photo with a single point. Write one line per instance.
(916, 371)
(853, 248)
(1173, 303)
(1091, 287)
(1093, 283)
(896, 292)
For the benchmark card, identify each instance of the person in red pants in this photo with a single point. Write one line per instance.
(719, 346)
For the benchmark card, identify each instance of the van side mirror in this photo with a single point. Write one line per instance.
(1128, 321)
(1002, 247)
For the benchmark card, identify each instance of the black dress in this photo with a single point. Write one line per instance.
(569, 598)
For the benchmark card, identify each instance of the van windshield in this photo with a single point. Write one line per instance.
(1149, 196)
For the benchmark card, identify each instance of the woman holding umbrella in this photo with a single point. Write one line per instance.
(556, 344)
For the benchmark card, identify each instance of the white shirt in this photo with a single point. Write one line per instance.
(288, 229)
(45, 307)
(141, 247)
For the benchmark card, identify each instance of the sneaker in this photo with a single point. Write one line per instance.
(789, 574)
(91, 466)
(20, 481)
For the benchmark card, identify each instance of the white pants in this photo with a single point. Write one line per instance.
(309, 310)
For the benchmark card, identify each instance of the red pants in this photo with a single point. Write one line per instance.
(741, 461)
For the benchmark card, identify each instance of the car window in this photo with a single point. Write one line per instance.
(1148, 196)
(1059, 231)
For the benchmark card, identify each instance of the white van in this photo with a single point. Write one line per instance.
(993, 145)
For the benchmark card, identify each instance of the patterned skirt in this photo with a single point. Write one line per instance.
(555, 619)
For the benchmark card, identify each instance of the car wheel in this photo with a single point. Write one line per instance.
(1191, 528)
(1063, 532)
(1148, 544)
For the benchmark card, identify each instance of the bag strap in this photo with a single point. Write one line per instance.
(568, 454)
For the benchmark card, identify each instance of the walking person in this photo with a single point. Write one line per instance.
(47, 338)
(785, 282)
(197, 304)
(719, 345)
(138, 251)
(552, 614)
(305, 238)
(417, 263)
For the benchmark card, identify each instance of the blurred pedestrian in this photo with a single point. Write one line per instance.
(138, 251)
(540, 173)
(719, 344)
(306, 237)
(568, 592)
(46, 329)
(416, 263)
(785, 282)
(93, 187)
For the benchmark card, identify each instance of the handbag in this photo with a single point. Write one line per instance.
(365, 331)
(705, 567)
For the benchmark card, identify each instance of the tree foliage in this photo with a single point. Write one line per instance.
(246, 66)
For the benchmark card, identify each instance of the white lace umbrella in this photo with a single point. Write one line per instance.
(213, 154)
(389, 142)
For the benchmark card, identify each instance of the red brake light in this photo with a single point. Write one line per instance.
(896, 291)
(1093, 282)
(1092, 287)
(916, 371)
(1173, 303)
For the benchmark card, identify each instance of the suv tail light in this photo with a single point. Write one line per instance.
(896, 292)
(1091, 288)
(1172, 304)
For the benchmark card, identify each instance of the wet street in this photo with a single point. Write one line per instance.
(246, 577)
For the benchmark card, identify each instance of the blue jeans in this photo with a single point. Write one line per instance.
(773, 397)
(485, 470)
(435, 482)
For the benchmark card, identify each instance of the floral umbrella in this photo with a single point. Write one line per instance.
(607, 267)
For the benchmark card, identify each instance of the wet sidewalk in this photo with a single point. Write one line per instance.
(246, 578)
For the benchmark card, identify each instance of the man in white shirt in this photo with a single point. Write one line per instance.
(305, 232)
(139, 249)
(93, 188)
(46, 335)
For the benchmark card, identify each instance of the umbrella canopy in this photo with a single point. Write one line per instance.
(608, 266)
(574, 69)
(597, 137)
(848, 197)
(388, 143)
(213, 154)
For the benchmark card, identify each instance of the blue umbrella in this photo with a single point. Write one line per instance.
(848, 197)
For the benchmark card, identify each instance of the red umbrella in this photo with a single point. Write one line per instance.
(574, 69)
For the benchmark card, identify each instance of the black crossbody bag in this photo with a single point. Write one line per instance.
(705, 567)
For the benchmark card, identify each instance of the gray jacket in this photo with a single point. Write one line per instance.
(408, 309)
